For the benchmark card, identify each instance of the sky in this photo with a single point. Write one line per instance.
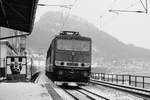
(128, 27)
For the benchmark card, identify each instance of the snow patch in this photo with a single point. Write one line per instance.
(23, 91)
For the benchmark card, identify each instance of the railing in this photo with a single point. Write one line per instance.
(131, 80)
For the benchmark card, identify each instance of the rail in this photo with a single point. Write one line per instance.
(139, 92)
(100, 96)
(131, 80)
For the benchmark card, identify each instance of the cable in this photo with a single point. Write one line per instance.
(105, 13)
(143, 5)
(65, 20)
(138, 11)
(0, 46)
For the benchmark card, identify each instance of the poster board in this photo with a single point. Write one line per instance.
(16, 65)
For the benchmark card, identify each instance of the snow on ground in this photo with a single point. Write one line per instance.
(112, 94)
(43, 79)
(23, 91)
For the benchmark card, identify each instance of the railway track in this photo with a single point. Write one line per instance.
(97, 95)
(88, 94)
(145, 94)
(74, 97)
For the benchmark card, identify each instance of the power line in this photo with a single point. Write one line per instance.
(69, 6)
(63, 6)
(103, 15)
(65, 20)
(144, 5)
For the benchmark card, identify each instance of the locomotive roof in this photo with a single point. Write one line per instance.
(72, 37)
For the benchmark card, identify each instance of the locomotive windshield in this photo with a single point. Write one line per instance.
(75, 45)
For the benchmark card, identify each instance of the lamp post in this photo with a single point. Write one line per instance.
(0, 47)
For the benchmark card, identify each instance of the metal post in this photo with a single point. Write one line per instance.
(31, 67)
(26, 68)
(135, 81)
(98, 76)
(0, 47)
(112, 78)
(122, 79)
(146, 7)
(104, 76)
(143, 82)
(0, 56)
(129, 79)
(101, 76)
(116, 78)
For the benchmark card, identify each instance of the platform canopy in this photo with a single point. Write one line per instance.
(18, 14)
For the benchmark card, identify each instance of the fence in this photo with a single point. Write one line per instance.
(131, 80)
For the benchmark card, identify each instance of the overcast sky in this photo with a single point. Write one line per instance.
(128, 27)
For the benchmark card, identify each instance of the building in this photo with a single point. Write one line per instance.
(11, 46)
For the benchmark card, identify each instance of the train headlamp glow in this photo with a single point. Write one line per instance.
(85, 64)
(74, 64)
(57, 62)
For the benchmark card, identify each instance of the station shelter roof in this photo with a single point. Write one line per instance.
(18, 14)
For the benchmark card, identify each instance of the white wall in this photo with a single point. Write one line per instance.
(3, 53)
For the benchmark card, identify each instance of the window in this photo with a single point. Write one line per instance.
(75, 45)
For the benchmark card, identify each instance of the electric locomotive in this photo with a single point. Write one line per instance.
(69, 58)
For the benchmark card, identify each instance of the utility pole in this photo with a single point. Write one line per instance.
(146, 7)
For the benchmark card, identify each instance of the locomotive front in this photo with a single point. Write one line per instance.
(72, 58)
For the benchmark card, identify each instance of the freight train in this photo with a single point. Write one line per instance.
(69, 58)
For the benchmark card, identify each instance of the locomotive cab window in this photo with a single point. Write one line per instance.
(75, 45)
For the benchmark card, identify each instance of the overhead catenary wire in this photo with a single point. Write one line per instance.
(64, 19)
(105, 13)
(137, 11)
(117, 12)
(144, 6)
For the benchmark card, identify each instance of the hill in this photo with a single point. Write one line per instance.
(105, 46)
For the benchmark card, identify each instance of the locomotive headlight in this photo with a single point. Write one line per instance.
(57, 63)
(87, 64)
